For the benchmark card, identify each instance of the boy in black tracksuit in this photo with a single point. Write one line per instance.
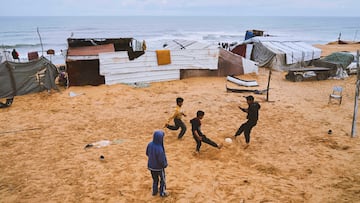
(198, 135)
(252, 116)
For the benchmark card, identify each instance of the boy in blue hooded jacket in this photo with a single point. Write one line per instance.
(157, 162)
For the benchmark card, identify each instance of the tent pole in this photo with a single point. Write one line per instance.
(42, 48)
(353, 129)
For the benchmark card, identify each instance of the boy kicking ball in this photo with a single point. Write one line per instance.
(198, 136)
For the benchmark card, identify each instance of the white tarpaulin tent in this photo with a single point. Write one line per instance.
(280, 53)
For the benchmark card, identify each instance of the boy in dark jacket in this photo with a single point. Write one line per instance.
(157, 162)
(252, 116)
(198, 136)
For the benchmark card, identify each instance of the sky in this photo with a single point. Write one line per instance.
(180, 8)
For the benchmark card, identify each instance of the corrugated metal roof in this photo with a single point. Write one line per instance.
(90, 50)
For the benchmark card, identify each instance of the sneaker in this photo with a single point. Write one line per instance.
(154, 193)
(220, 146)
(247, 145)
(165, 194)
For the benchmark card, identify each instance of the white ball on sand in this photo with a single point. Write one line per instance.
(228, 140)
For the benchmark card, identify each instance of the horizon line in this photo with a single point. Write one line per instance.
(175, 16)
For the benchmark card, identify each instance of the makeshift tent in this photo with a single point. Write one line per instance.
(82, 64)
(117, 68)
(82, 60)
(335, 60)
(233, 64)
(29, 77)
(277, 53)
(184, 59)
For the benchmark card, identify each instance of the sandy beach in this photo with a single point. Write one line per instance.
(291, 157)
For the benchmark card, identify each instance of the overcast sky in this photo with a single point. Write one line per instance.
(180, 7)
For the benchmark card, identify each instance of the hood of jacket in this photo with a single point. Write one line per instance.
(158, 137)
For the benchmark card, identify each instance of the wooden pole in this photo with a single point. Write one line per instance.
(42, 48)
(353, 129)
(268, 86)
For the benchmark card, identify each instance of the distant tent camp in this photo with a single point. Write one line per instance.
(277, 53)
(29, 77)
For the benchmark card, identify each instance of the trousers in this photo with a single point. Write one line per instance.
(178, 124)
(156, 176)
(204, 139)
(246, 128)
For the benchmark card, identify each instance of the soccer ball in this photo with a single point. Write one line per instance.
(228, 140)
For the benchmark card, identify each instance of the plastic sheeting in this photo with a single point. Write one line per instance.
(24, 78)
(281, 53)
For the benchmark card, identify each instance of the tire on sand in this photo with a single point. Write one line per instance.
(298, 78)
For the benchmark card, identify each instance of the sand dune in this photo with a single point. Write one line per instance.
(291, 157)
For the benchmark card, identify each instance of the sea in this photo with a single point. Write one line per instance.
(39, 34)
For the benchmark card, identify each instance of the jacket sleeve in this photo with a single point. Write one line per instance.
(163, 160)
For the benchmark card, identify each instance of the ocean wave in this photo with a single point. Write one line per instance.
(54, 31)
(16, 46)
